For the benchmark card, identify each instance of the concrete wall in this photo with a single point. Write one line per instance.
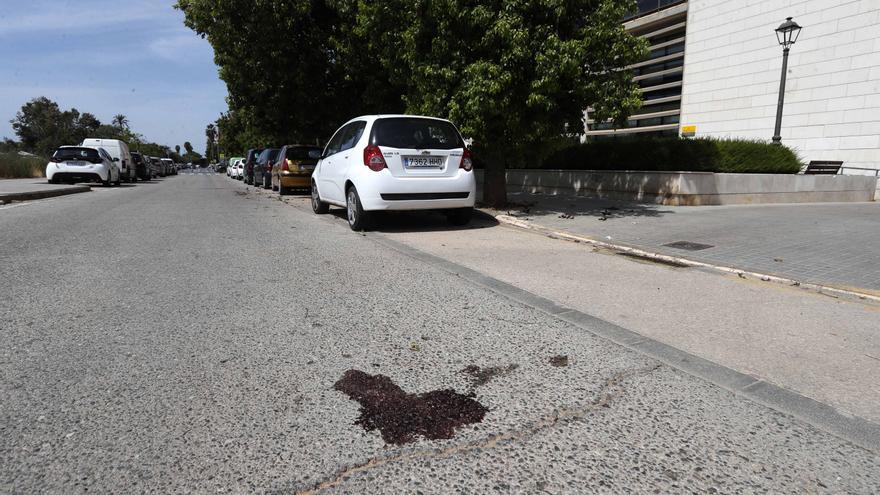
(693, 188)
(832, 104)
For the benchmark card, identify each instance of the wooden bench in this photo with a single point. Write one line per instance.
(823, 168)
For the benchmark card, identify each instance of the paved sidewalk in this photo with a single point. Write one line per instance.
(29, 189)
(833, 244)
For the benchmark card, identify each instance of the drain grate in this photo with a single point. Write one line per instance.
(688, 245)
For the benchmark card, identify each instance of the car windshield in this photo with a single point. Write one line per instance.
(86, 154)
(302, 152)
(417, 133)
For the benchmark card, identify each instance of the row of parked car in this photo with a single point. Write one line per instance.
(373, 163)
(106, 161)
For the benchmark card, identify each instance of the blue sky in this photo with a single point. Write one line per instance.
(133, 57)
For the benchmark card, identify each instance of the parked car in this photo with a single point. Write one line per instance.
(251, 160)
(161, 166)
(142, 168)
(238, 170)
(120, 153)
(294, 167)
(170, 169)
(82, 164)
(263, 168)
(395, 162)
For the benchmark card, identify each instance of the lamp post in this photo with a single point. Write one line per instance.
(787, 33)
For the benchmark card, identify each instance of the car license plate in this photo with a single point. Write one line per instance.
(77, 163)
(423, 162)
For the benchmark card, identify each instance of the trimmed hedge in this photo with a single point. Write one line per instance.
(674, 154)
(15, 166)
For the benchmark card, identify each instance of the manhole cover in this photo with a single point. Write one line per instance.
(688, 246)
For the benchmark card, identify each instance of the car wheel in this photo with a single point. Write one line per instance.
(460, 216)
(318, 206)
(357, 217)
(281, 189)
(106, 183)
(53, 181)
(266, 183)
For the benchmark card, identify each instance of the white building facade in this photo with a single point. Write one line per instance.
(730, 66)
(733, 66)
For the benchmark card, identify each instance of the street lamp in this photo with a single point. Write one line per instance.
(787, 33)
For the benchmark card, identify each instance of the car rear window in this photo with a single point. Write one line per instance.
(301, 152)
(87, 154)
(405, 132)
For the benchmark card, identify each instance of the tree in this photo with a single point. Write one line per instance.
(120, 121)
(289, 67)
(42, 126)
(188, 147)
(211, 145)
(177, 149)
(515, 75)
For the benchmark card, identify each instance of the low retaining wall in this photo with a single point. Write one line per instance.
(693, 188)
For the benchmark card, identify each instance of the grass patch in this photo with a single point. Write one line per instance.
(674, 154)
(15, 166)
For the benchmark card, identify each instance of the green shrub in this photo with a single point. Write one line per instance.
(674, 154)
(15, 166)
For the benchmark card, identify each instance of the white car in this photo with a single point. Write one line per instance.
(395, 162)
(237, 170)
(82, 164)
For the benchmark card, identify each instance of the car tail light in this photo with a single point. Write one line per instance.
(285, 166)
(466, 162)
(373, 158)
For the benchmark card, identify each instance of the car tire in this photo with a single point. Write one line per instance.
(53, 181)
(267, 184)
(318, 206)
(281, 189)
(118, 180)
(106, 183)
(460, 216)
(358, 219)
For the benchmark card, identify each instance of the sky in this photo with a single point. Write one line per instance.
(107, 57)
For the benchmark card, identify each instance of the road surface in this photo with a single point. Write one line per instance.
(192, 335)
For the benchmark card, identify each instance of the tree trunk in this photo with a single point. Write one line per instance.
(495, 183)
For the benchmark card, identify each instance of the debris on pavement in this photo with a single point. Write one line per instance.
(559, 361)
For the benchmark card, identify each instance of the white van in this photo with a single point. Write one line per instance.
(120, 153)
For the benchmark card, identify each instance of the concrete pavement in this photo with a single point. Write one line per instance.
(175, 355)
(826, 244)
(30, 189)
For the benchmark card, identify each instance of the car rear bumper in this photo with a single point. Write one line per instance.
(303, 181)
(386, 192)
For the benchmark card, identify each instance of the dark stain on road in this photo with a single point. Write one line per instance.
(482, 376)
(559, 361)
(401, 417)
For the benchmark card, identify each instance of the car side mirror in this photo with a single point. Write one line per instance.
(116, 159)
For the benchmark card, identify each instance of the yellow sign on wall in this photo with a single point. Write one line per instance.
(688, 130)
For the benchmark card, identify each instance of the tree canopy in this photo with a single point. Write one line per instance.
(42, 126)
(514, 75)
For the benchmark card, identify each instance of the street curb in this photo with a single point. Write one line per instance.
(648, 255)
(859, 431)
(48, 193)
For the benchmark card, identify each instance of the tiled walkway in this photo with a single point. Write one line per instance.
(829, 243)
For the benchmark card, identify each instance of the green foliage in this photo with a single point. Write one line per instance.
(511, 73)
(673, 154)
(42, 126)
(15, 166)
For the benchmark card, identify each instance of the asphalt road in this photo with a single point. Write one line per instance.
(190, 336)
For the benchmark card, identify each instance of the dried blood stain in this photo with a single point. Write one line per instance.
(400, 416)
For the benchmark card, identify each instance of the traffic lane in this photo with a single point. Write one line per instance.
(167, 386)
